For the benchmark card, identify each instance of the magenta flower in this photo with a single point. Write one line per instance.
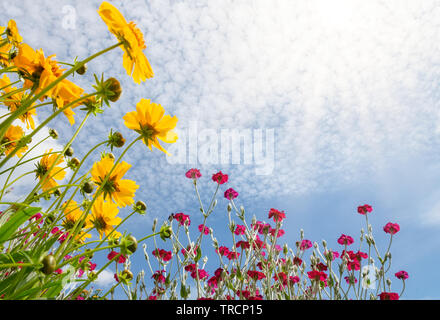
(345, 240)
(162, 254)
(305, 244)
(402, 275)
(277, 216)
(239, 230)
(182, 218)
(113, 254)
(204, 229)
(389, 296)
(224, 251)
(231, 194)
(193, 174)
(365, 209)
(391, 228)
(220, 177)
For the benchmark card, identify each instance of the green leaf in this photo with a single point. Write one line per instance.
(15, 221)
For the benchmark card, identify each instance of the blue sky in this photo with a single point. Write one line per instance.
(350, 89)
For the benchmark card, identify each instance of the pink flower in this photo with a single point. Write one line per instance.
(182, 218)
(294, 279)
(193, 174)
(202, 274)
(365, 209)
(231, 194)
(256, 275)
(59, 271)
(220, 177)
(317, 276)
(113, 254)
(162, 254)
(345, 240)
(232, 255)
(38, 217)
(389, 296)
(280, 233)
(204, 229)
(239, 230)
(116, 277)
(305, 244)
(243, 245)
(391, 228)
(158, 276)
(277, 216)
(402, 275)
(224, 251)
(152, 297)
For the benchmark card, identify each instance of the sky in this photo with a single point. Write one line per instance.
(337, 102)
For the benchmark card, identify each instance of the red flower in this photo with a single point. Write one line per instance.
(256, 275)
(202, 274)
(220, 177)
(345, 240)
(231, 194)
(224, 251)
(365, 209)
(305, 244)
(152, 298)
(280, 233)
(204, 229)
(350, 280)
(321, 267)
(277, 216)
(297, 261)
(389, 296)
(181, 218)
(191, 267)
(158, 276)
(240, 230)
(402, 275)
(233, 255)
(391, 228)
(317, 276)
(162, 254)
(193, 174)
(243, 245)
(112, 254)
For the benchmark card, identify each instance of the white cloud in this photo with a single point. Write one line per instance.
(348, 87)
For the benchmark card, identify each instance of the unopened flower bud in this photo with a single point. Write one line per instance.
(53, 133)
(87, 187)
(116, 140)
(74, 162)
(140, 207)
(68, 152)
(82, 70)
(113, 85)
(324, 243)
(128, 275)
(49, 264)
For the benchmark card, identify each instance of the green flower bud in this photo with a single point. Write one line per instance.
(53, 133)
(49, 264)
(114, 86)
(82, 70)
(69, 152)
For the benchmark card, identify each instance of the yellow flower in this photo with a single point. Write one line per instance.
(149, 121)
(134, 60)
(57, 173)
(120, 191)
(12, 33)
(5, 54)
(40, 71)
(72, 214)
(10, 140)
(16, 103)
(103, 217)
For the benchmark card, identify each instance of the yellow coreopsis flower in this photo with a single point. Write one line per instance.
(10, 140)
(134, 60)
(57, 173)
(14, 102)
(72, 214)
(120, 191)
(40, 71)
(150, 122)
(12, 33)
(104, 217)
(5, 58)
